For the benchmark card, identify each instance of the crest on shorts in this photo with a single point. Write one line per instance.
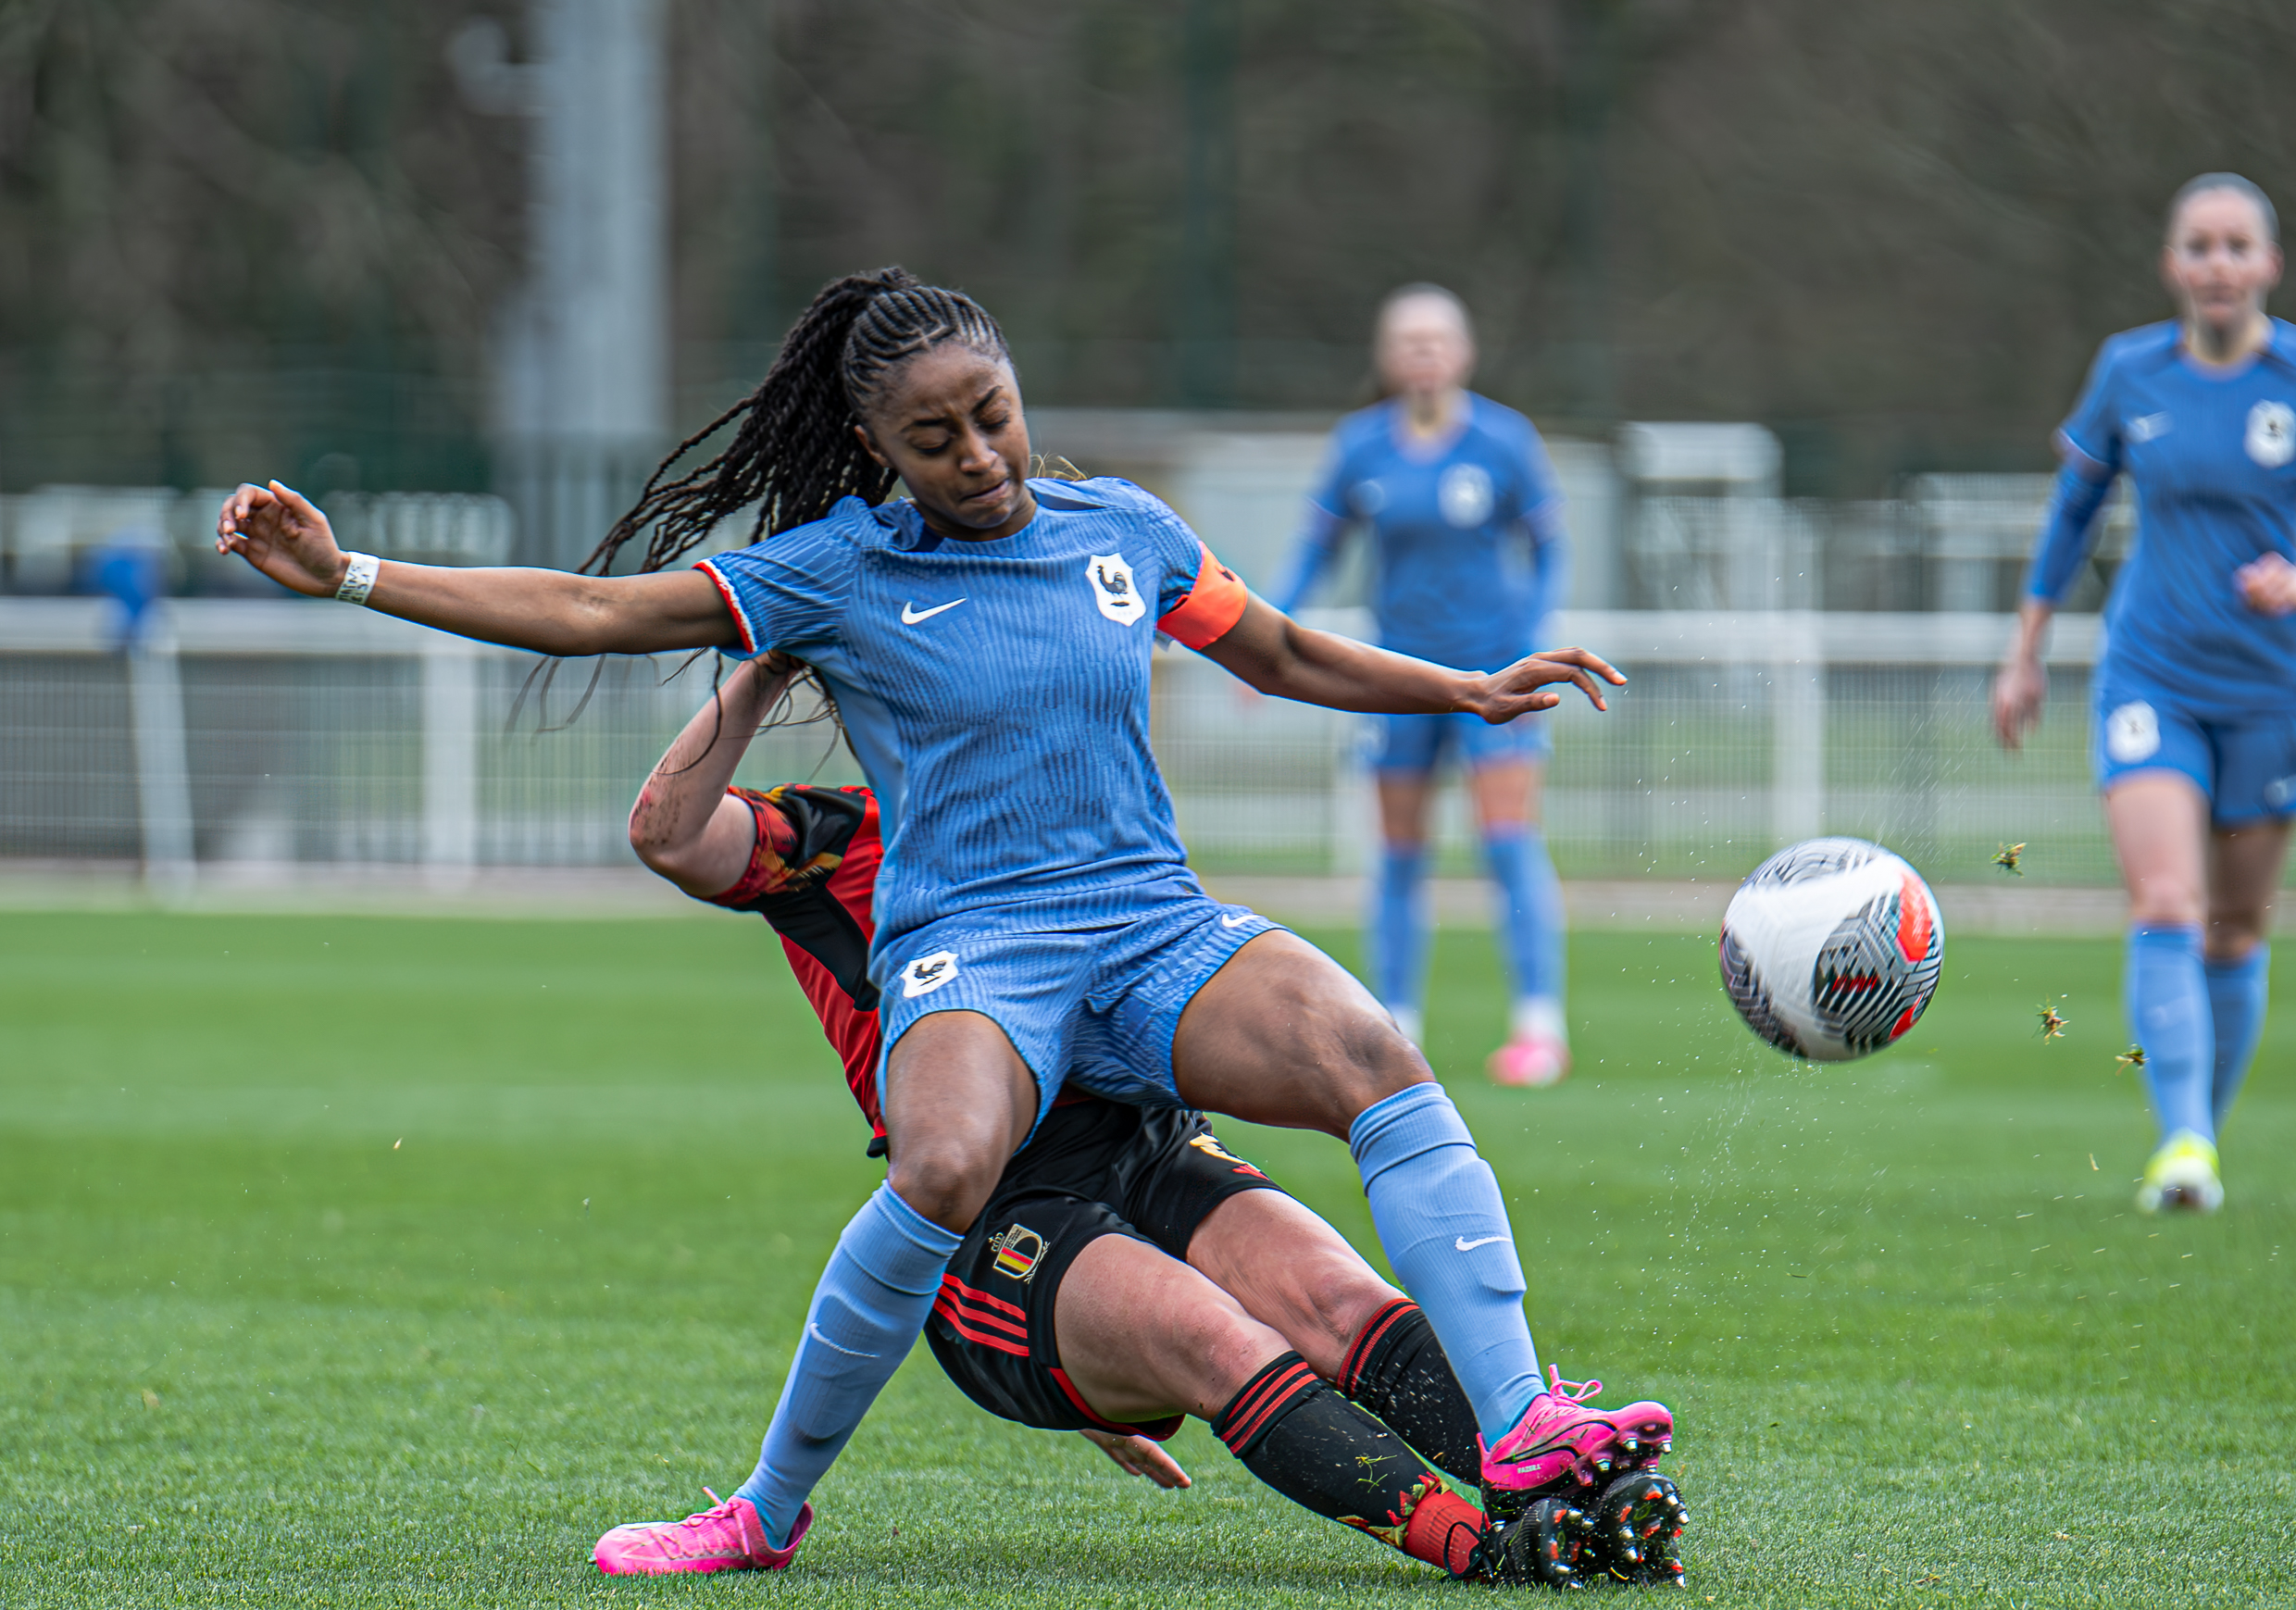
(2132, 733)
(2272, 434)
(926, 974)
(1113, 588)
(1209, 1145)
(1017, 1251)
(1465, 493)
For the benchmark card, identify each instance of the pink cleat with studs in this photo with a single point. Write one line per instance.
(1561, 1434)
(729, 1537)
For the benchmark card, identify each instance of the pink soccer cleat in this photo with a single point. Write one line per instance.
(1560, 1435)
(1529, 1061)
(729, 1537)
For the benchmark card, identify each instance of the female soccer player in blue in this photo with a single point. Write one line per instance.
(2195, 693)
(1468, 525)
(987, 640)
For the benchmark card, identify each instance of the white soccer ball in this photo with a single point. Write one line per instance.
(1833, 949)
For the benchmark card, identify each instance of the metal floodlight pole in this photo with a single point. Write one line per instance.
(581, 360)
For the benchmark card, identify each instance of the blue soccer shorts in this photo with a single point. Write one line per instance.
(1097, 1007)
(2244, 765)
(1415, 745)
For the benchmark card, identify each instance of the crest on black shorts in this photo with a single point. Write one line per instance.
(1017, 1252)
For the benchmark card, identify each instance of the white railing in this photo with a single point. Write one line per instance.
(305, 735)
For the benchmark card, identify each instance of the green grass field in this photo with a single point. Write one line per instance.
(387, 1262)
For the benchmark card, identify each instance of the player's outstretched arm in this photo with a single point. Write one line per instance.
(1280, 656)
(685, 825)
(282, 534)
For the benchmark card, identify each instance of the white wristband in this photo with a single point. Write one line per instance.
(359, 580)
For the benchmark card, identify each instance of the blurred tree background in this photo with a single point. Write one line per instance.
(257, 236)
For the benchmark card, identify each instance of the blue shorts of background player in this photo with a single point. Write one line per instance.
(2243, 765)
(1097, 1006)
(1417, 745)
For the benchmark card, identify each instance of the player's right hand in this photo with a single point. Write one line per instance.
(281, 533)
(1139, 1457)
(2019, 691)
(1516, 690)
(2267, 584)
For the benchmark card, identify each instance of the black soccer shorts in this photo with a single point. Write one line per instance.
(1092, 1169)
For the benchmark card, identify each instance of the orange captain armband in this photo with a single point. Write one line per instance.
(1211, 606)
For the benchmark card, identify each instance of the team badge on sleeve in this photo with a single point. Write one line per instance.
(1017, 1251)
(1113, 589)
(926, 974)
(2272, 434)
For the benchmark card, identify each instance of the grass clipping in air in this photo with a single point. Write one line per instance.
(258, 1350)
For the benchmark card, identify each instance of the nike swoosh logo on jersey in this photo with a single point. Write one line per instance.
(1235, 921)
(1465, 1245)
(911, 613)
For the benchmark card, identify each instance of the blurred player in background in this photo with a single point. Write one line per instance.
(2195, 693)
(1470, 555)
(987, 640)
(1128, 1270)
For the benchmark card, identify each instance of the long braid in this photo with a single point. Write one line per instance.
(794, 454)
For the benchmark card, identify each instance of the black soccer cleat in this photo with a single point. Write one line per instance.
(1552, 1544)
(1636, 1531)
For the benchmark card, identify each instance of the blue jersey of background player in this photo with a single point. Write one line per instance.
(1469, 561)
(2194, 693)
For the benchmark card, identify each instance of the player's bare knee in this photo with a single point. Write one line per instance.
(1375, 1058)
(944, 1179)
(2164, 905)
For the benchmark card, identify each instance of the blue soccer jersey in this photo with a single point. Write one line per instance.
(1468, 533)
(2214, 461)
(996, 692)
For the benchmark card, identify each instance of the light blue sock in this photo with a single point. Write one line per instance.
(1398, 930)
(2236, 1007)
(867, 1313)
(2167, 999)
(1438, 1210)
(1531, 916)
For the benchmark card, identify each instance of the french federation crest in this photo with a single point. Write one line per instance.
(2272, 434)
(2132, 733)
(1464, 494)
(926, 974)
(1113, 588)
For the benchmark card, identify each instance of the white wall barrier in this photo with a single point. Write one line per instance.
(292, 735)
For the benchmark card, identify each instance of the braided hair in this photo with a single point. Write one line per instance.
(794, 454)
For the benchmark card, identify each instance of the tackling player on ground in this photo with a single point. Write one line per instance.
(987, 640)
(1127, 1269)
(1466, 525)
(2195, 694)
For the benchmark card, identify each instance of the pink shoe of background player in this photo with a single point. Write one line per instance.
(729, 1537)
(1538, 1048)
(1529, 1061)
(1562, 1435)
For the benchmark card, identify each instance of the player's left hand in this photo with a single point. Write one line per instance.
(2268, 584)
(1520, 688)
(1139, 1457)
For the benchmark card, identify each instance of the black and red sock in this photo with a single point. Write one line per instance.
(1398, 1370)
(1322, 1452)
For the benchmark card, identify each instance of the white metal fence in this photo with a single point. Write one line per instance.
(293, 734)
